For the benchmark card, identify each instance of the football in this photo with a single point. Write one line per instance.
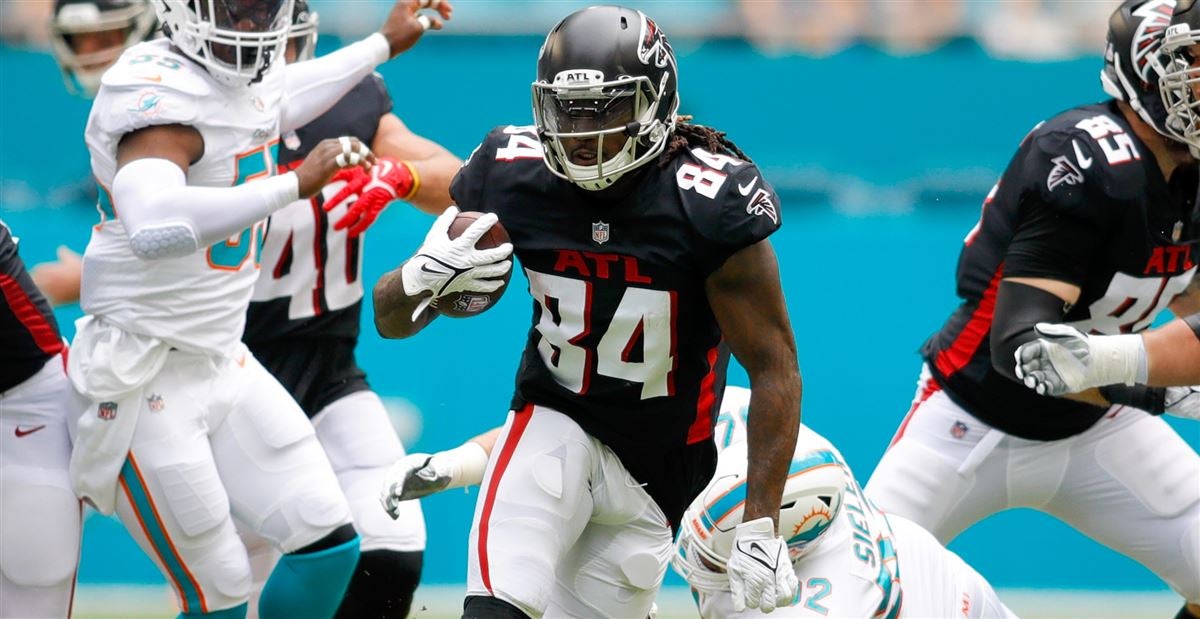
(464, 304)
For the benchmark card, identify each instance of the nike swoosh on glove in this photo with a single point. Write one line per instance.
(388, 180)
(443, 265)
(412, 477)
(760, 572)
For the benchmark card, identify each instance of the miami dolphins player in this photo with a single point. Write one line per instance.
(851, 560)
(182, 430)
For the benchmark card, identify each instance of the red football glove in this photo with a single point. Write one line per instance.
(389, 179)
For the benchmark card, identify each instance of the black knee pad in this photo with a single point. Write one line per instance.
(383, 585)
(1184, 613)
(487, 607)
(336, 537)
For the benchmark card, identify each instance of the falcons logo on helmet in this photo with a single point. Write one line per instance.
(653, 47)
(1064, 172)
(1156, 16)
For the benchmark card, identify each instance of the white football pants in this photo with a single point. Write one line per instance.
(1129, 482)
(40, 523)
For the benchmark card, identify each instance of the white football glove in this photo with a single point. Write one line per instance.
(760, 572)
(1064, 360)
(411, 477)
(443, 265)
(1183, 402)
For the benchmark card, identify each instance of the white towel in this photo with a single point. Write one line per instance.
(110, 367)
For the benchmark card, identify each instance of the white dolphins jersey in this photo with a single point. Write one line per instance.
(850, 572)
(196, 302)
(855, 568)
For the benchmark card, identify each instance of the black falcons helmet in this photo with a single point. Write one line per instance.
(604, 73)
(1132, 66)
(1181, 70)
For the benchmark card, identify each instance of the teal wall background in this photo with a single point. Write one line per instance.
(881, 162)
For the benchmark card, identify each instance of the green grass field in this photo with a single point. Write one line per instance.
(445, 602)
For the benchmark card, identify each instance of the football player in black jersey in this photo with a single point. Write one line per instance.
(41, 522)
(1065, 360)
(1092, 225)
(303, 322)
(643, 238)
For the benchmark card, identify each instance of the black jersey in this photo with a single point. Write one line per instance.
(28, 332)
(1084, 202)
(623, 339)
(308, 298)
(311, 280)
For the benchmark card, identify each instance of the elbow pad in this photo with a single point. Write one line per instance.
(151, 235)
(1019, 307)
(165, 218)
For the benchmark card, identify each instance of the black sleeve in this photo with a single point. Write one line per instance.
(744, 212)
(1193, 321)
(1063, 222)
(1018, 308)
(379, 92)
(466, 189)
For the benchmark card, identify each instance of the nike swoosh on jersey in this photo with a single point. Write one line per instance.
(1084, 162)
(20, 432)
(745, 189)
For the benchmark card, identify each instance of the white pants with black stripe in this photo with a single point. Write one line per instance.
(561, 528)
(1129, 482)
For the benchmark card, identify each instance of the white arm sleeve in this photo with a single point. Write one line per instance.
(313, 86)
(165, 218)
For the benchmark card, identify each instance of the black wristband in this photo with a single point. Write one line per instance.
(1153, 400)
(1193, 321)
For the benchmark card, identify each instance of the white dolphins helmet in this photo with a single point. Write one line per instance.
(812, 499)
(235, 40)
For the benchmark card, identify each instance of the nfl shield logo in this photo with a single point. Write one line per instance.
(958, 430)
(600, 232)
(154, 403)
(108, 411)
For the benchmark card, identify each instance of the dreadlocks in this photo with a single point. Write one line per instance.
(688, 135)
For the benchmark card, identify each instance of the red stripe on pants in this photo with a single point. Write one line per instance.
(520, 421)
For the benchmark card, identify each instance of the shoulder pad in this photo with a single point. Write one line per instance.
(149, 85)
(151, 64)
(1074, 161)
(722, 193)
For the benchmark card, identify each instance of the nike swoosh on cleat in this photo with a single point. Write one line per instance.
(20, 432)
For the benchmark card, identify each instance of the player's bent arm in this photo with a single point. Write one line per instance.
(394, 308)
(1021, 303)
(1173, 353)
(312, 87)
(164, 217)
(747, 301)
(434, 166)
